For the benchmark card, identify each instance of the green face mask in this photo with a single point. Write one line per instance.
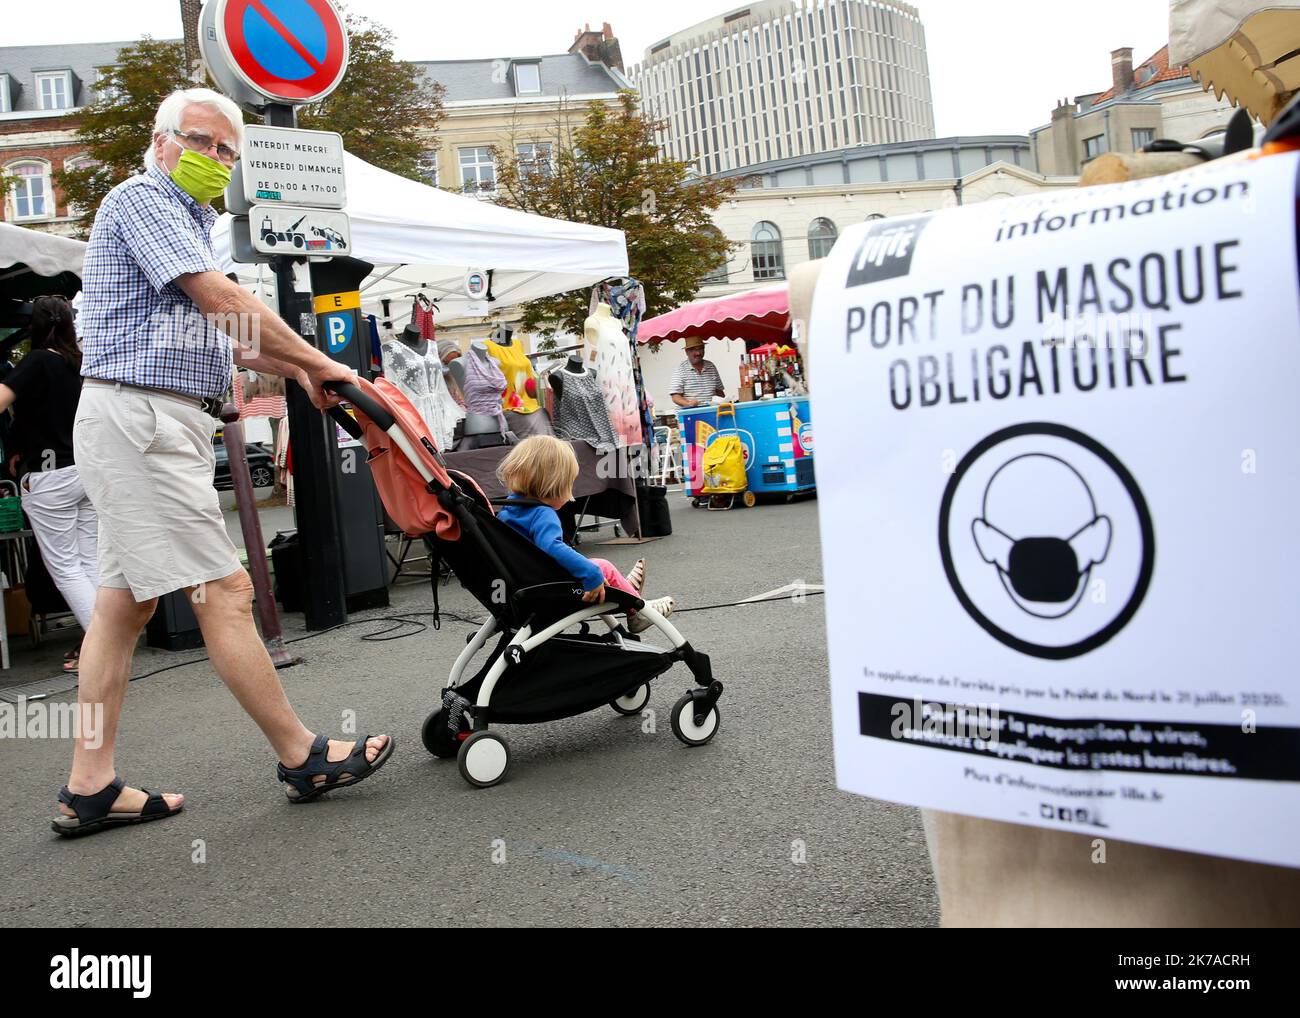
(200, 177)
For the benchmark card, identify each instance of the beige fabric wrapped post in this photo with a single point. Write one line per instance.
(1116, 167)
(1248, 50)
(996, 874)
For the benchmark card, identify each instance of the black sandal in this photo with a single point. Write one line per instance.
(299, 786)
(95, 812)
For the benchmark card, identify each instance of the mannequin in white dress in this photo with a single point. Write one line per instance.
(608, 354)
(413, 365)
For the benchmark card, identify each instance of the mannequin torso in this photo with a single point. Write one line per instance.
(410, 336)
(607, 352)
(412, 364)
(478, 421)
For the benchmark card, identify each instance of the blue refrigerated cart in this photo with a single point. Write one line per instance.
(778, 441)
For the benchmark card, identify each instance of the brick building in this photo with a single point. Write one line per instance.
(512, 103)
(42, 91)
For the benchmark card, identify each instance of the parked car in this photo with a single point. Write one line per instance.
(261, 465)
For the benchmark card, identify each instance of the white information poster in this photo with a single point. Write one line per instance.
(1058, 473)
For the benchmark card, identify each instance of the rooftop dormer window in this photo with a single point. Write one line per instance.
(54, 90)
(528, 79)
(6, 94)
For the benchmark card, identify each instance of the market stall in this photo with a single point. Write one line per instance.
(421, 238)
(32, 264)
(425, 245)
(770, 425)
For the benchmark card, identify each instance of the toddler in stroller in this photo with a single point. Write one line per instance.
(539, 670)
(539, 473)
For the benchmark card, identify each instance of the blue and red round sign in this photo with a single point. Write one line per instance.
(291, 51)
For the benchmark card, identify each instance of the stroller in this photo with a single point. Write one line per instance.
(537, 671)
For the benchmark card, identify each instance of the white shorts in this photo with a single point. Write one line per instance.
(147, 464)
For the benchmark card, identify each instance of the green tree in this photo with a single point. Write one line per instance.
(607, 171)
(386, 110)
(116, 128)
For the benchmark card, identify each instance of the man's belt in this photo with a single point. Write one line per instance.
(211, 405)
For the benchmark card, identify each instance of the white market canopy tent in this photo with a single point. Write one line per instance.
(421, 238)
(27, 254)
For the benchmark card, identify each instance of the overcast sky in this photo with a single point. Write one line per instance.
(996, 66)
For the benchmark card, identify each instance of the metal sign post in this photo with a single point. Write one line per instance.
(311, 435)
(270, 59)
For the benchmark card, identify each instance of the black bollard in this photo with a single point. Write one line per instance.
(254, 545)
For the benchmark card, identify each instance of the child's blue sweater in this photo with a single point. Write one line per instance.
(541, 525)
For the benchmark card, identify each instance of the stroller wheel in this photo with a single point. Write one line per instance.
(634, 702)
(685, 726)
(437, 738)
(484, 759)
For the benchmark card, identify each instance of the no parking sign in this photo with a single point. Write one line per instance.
(284, 51)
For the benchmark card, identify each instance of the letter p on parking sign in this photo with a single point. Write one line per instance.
(338, 331)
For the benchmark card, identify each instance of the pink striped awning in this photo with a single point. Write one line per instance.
(762, 314)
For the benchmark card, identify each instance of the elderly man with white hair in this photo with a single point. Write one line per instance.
(153, 362)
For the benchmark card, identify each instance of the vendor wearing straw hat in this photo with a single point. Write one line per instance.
(696, 381)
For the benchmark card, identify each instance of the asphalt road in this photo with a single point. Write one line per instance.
(598, 822)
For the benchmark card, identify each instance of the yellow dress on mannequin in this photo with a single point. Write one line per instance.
(518, 369)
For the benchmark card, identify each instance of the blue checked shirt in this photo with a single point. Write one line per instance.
(136, 325)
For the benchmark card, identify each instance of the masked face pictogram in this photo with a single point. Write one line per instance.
(1040, 528)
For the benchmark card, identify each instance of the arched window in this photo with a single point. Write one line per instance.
(719, 273)
(765, 251)
(74, 163)
(30, 195)
(874, 215)
(821, 238)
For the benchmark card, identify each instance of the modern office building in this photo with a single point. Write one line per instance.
(782, 79)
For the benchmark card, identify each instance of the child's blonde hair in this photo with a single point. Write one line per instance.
(540, 467)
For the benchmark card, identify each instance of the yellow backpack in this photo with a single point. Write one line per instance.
(723, 464)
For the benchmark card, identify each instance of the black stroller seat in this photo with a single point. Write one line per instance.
(509, 575)
(537, 672)
(539, 669)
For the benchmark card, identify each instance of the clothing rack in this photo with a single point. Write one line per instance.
(554, 353)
